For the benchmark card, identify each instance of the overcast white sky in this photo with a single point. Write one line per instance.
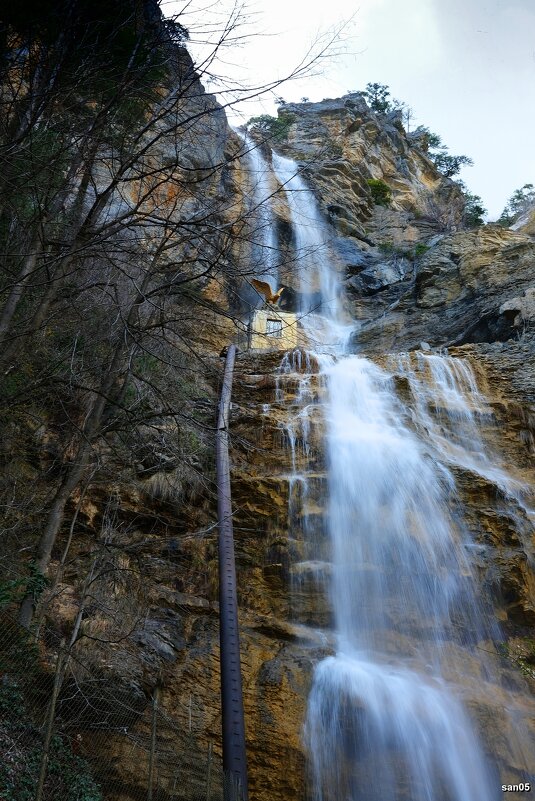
(466, 67)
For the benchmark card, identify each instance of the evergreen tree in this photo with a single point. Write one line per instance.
(474, 210)
(431, 143)
(451, 165)
(377, 95)
(520, 201)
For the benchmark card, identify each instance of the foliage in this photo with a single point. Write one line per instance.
(68, 775)
(74, 34)
(21, 657)
(378, 98)
(400, 252)
(178, 33)
(420, 249)
(33, 585)
(427, 140)
(520, 201)
(10, 590)
(276, 128)
(381, 192)
(395, 251)
(450, 165)
(377, 95)
(474, 210)
(431, 143)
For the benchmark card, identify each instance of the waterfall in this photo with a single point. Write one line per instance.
(388, 715)
(449, 411)
(320, 307)
(265, 251)
(318, 286)
(382, 721)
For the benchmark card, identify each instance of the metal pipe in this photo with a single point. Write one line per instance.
(234, 755)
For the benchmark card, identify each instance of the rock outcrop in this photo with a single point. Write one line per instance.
(412, 276)
(473, 286)
(345, 145)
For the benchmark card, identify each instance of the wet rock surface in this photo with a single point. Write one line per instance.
(410, 278)
(469, 287)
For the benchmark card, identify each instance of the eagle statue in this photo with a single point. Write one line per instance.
(264, 289)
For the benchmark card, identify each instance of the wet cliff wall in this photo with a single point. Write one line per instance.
(146, 507)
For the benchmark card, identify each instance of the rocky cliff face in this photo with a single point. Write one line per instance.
(412, 276)
(345, 145)
(414, 279)
(465, 287)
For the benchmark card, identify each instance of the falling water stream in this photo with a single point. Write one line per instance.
(386, 719)
(265, 252)
(381, 703)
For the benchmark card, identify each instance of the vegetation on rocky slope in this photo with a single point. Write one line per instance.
(110, 229)
(125, 241)
(520, 201)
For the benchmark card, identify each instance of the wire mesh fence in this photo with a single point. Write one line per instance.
(67, 734)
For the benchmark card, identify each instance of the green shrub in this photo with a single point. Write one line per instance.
(420, 249)
(381, 193)
(377, 95)
(21, 749)
(389, 249)
(276, 128)
(14, 590)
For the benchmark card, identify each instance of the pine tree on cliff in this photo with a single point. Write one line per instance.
(377, 95)
(519, 202)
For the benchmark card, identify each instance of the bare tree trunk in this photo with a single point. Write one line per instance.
(55, 518)
(10, 306)
(78, 467)
(49, 725)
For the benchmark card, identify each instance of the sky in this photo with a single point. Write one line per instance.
(466, 68)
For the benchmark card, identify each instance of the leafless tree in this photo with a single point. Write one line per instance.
(119, 239)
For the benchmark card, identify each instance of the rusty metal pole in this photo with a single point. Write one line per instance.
(234, 756)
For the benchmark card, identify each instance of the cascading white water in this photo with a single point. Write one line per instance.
(319, 290)
(265, 251)
(382, 722)
(320, 308)
(449, 410)
(385, 718)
